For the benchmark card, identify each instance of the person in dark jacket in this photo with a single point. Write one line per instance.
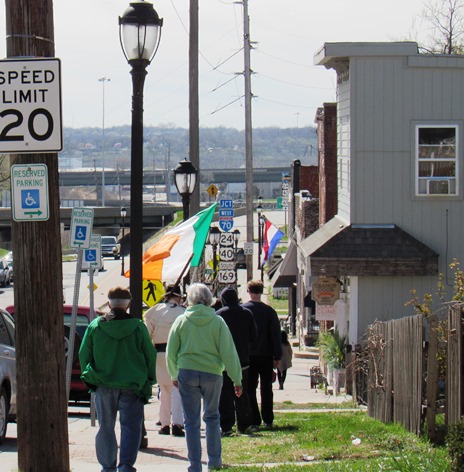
(265, 355)
(118, 363)
(243, 329)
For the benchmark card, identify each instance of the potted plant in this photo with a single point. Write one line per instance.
(332, 347)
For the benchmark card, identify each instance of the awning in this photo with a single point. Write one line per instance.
(285, 275)
(338, 249)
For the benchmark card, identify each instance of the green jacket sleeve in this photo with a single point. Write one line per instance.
(86, 349)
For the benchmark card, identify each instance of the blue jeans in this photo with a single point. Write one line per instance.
(194, 386)
(108, 402)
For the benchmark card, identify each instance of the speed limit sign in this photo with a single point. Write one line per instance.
(30, 106)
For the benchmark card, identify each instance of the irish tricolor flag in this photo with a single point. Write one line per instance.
(167, 259)
(271, 236)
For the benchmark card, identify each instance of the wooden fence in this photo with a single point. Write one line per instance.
(414, 370)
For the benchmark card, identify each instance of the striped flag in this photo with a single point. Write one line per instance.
(271, 236)
(168, 257)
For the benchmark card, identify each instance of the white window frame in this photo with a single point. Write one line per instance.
(431, 181)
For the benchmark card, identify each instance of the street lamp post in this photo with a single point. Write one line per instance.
(213, 239)
(139, 33)
(123, 213)
(185, 178)
(259, 210)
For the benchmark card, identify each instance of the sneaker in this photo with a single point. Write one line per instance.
(177, 430)
(249, 430)
(225, 434)
(253, 428)
(268, 426)
(165, 430)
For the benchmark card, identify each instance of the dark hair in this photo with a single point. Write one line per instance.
(284, 337)
(119, 293)
(255, 286)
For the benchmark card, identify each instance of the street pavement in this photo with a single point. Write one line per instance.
(168, 453)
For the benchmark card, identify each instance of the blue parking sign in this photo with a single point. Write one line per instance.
(30, 198)
(80, 233)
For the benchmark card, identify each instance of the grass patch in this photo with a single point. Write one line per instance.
(3, 252)
(289, 405)
(327, 440)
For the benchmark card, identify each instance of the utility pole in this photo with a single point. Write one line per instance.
(41, 392)
(248, 137)
(194, 127)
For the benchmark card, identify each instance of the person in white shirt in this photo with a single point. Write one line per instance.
(159, 320)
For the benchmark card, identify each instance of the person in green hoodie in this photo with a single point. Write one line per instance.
(199, 347)
(118, 362)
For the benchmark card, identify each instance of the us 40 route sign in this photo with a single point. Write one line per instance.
(29, 190)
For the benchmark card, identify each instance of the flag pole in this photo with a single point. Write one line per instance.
(177, 284)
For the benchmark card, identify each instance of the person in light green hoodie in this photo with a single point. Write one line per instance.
(199, 348)
(118, 362)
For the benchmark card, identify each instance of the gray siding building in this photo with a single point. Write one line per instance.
(400, 178)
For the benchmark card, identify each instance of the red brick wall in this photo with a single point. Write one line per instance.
(326, 119)
(309, 180)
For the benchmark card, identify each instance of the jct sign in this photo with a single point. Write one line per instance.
(30, 106)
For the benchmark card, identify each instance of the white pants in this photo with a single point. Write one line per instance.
(169, 395)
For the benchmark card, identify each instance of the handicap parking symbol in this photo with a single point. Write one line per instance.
(91, 255)
(80, 233)
(30, 198)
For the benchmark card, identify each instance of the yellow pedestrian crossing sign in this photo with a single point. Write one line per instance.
(212, 190)
(152, 292)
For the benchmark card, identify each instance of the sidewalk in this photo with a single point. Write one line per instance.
(167, 452)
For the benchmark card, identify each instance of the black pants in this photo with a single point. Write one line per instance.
(281, 376)
(231, 405)
(261, 371)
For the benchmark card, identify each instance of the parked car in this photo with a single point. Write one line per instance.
(78, 391)
(5, 277)
(110, 247)
(7, 372)
(9, 260)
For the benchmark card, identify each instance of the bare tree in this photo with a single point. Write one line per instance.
(446, 26)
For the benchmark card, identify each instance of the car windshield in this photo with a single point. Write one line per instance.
(108, 240)
(81, 323)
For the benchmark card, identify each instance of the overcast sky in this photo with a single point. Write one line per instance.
(287, 87)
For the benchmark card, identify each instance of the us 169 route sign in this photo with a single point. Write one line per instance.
(30, 106)
(29, 190)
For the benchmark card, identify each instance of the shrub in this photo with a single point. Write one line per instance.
(455, 443)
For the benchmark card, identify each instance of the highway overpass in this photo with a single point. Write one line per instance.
(107, 220)
(84, 177)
